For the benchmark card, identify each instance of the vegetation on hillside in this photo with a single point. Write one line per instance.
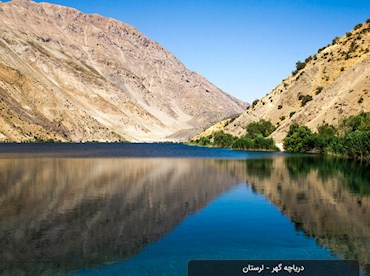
(351, 139)
(254, 139)
(300, 65)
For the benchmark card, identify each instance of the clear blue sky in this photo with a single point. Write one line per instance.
(245, 47)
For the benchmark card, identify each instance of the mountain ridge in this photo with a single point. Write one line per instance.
(327, 87)
(70, 76)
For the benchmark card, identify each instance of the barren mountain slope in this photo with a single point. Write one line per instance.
(337, 78)
(73, 76)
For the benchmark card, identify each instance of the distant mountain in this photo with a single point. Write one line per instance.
(325, 88)
(70, 76)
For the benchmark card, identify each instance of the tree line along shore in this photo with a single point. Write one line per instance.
(350, 139)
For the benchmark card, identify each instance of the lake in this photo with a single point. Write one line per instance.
(148, 209)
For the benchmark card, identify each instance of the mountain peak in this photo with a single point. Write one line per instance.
(70, 76)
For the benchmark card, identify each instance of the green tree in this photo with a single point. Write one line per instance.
(263, 127)
(358, 26)
(326, 130)
(351, 140)
(299, 139)
(300, 65)
(325, 136)
(243, 143)
(356, 145)
(353, 123)
(222, 139)
(204, 141)
(261, 142)
(305, 99)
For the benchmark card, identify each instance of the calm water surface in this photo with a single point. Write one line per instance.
(147, 209)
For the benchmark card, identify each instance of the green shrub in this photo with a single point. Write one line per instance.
(359, 122)
(204, 141)
(326, 130)
(254, 103)
(318, 90)
(254, 139)
(356, 145)
(243, 143)
(222, 139)
(351, 140)
(300, 65)
(263, 127)
(261, 142)
(325, 137)
(298, 139)
(305, 99)
(358, 26)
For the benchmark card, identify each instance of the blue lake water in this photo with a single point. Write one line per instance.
(147, 209)
(238, 225)
(124, 150)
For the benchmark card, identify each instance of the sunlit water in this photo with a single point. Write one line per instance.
(142, 209)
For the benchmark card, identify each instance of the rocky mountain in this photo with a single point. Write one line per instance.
(70, 76)
(326, 87)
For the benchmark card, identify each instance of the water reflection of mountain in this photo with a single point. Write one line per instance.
(65, 214)
(73, 213)
(327, 199)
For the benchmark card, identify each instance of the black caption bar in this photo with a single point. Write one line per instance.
(273, 267)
